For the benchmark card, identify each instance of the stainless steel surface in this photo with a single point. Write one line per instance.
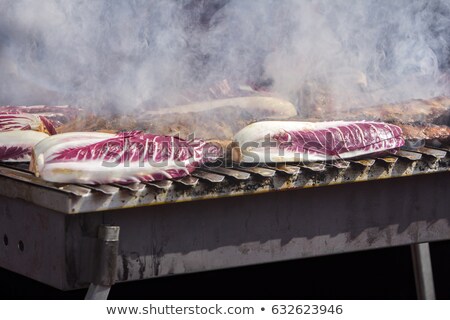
(42, 234)
(365, 163)
(105, 267)
(283, 168)
(164, 185)
(208, 176)
(209, 183)
(315, 166)
(341, 164)
(105, 189)
(423, 271)
(133, 187)
(408, 155)
(236, 174)
(259, 171)
(52, 229)
(188, 181)
(97, 292)
(60, 249)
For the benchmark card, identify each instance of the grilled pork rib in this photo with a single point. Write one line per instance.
(289, 141)
(214, 119)
(431, 111)
(92, 157)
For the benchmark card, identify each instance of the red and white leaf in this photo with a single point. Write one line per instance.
(284, 141)
(16, 146)
(90, 157)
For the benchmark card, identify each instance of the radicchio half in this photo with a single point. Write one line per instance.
(284, 141)
(123, 158)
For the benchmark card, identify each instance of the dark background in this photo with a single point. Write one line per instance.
(376, 274)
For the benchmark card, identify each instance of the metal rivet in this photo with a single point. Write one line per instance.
(21, 246)
(5, 240)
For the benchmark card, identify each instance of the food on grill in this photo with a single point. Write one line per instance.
(57, 115)
(10, 121)
(93, 157)
(290, 141)
(267, 106)
(425, 120)
(19, 132)
(419, 134)
(214, 119)
(16, 145)
(432, 111)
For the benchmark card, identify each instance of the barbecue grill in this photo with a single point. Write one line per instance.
(67, 236)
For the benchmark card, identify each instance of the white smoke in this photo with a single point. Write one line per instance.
(125, 54)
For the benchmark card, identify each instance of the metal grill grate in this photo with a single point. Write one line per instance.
(212, 182)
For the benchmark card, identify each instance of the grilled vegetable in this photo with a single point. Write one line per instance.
(57, 115)
(16, 145)
(92, 157)
(290, 141)
(19, 132)
(10, 121)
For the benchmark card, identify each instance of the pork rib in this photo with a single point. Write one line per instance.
(92, 157)
(290, 141)
(213, 119)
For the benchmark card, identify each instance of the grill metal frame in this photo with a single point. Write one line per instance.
(398, 200)
(216, 182)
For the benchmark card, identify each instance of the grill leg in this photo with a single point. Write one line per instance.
(423, 271)
(97, 292)
(105, 269)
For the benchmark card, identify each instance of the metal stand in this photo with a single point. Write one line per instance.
(105, 270)
(97, 292)
(423, 271)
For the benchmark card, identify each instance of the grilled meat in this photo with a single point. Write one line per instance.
(426, 120)
(432, 111)
(436, 135)
(215, 119)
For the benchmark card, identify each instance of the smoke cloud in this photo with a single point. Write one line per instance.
(128, 54)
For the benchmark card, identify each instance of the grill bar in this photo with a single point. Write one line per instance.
(188, 181)
(133, 187)
(163, 185)
(236, 174)
(206, 183)
(259, 171)
(408, 155)
(315, 167)
(284, 168)
(434, 153)
(104, 189)
(208, 176)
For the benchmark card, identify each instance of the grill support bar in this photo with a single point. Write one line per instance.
(106, 264)
(423, 271)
